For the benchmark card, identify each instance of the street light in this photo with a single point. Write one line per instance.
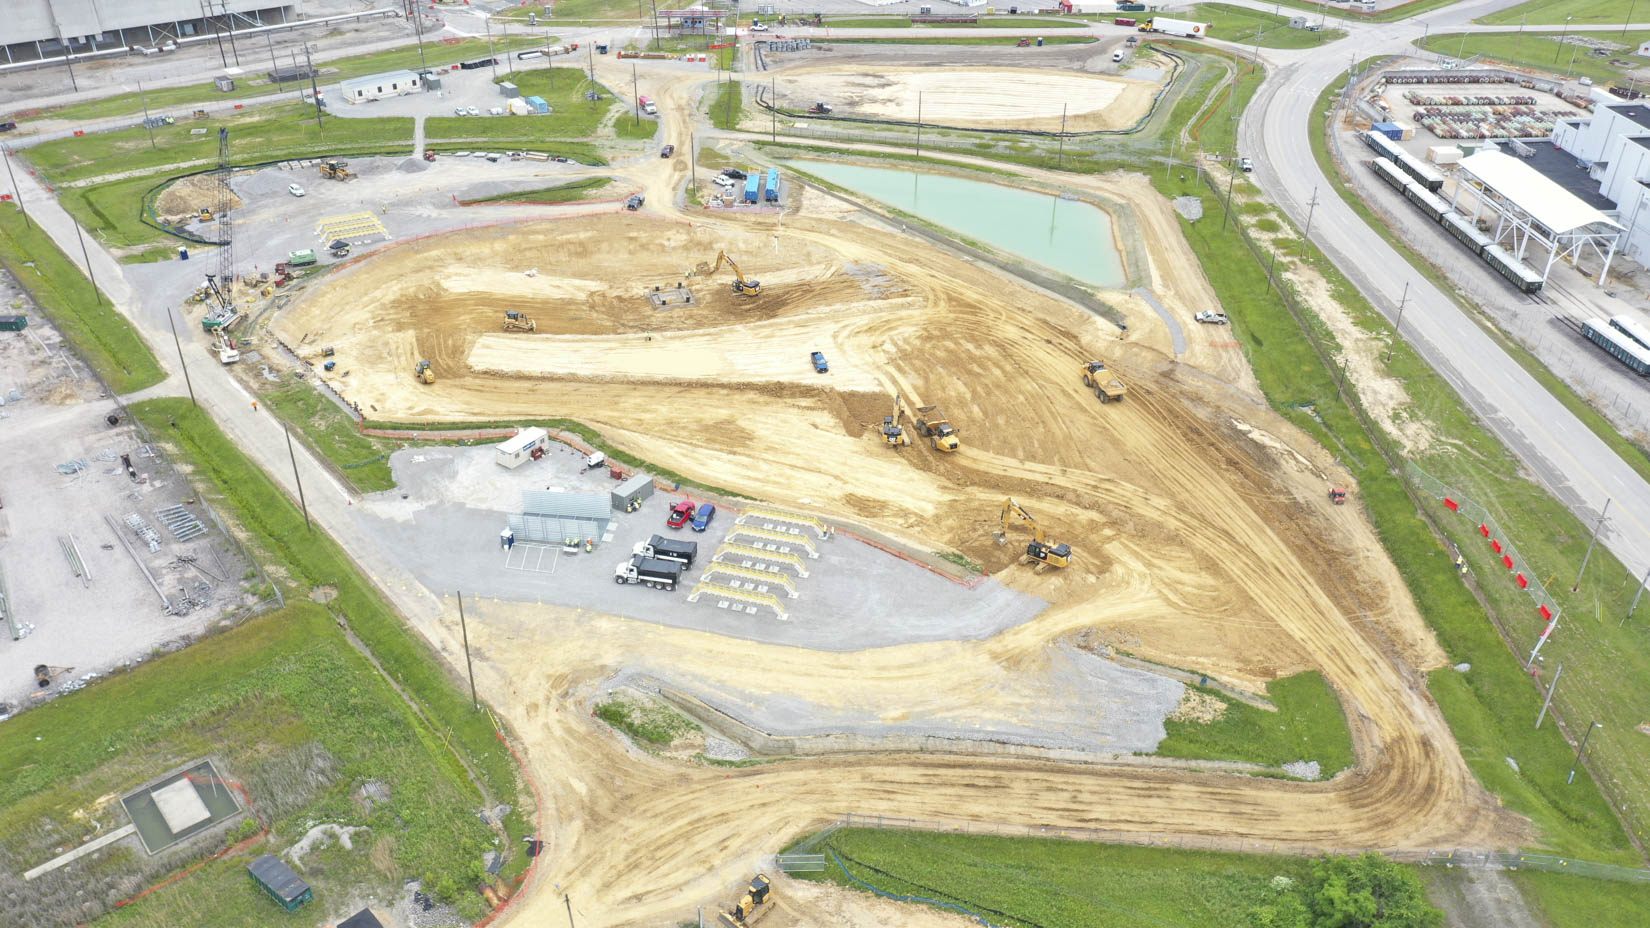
(1581, 749)
(1519, 38)
(1561, 37)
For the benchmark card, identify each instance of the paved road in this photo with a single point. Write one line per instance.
(1552, 443)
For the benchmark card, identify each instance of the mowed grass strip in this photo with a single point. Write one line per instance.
(1253, 27)
(101, 336)
(560, 193)
(1310, 725)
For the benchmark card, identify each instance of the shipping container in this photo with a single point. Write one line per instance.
(13, 323)
(753, 184)
(770, 190)
(539, 105)
(1390, 130)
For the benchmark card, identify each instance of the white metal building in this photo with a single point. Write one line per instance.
(553, 517)
(518, 449)
(1612, 145)
(34, 29)
(1527, 208)
(379, 86)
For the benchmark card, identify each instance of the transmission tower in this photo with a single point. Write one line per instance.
(226, 227)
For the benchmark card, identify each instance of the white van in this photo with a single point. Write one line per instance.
(1116, 56)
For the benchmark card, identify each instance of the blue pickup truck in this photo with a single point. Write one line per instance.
(818, 358)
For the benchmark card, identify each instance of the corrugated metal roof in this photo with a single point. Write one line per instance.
(590, 506)
(373, 80)
(1546, 202)
(280, 879)
(633, 484)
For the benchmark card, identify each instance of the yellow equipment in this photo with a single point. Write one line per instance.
(741, 283)
(206, 214)
(337, 170)
(1040, 549)
(756, 902)
(934, 426)
(514, 320)
(892, 434)
(423, 372)
(1105, 386)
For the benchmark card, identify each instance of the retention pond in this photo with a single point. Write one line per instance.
(1068, 236)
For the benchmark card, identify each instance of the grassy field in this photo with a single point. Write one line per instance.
(1029, 23)
(114, 213)
(1036, 882)
(571, 116)
(163, 100)
(724, 104)
(1491, 708)
(1580, 11)
(101, 336)
(1565, 901)
(274, 527)
(1541, 52)
(561, 193)
(1402, 11)
(267, 133)
(654, 725)
(330, 432)
(290, 710)
(1251, 27)
(1309, 725)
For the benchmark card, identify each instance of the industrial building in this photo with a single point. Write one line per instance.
(1608, 154)
(555, 517)
(379, 86)
(35, 29)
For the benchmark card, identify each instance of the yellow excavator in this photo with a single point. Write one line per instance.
(1040, 549)
(756, 902)
(893, 434)
(741, 283)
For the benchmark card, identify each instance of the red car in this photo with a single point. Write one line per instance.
(680, 513)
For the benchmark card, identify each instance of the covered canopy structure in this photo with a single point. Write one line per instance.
(1530, 207)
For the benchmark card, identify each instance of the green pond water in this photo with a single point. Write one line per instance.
(1068, 236)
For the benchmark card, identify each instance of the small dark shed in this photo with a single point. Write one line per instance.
(361, 919)
(277, 879)
(13, 323)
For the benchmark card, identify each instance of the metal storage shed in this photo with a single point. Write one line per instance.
(552, 517)
(634, 490)
(277, 879)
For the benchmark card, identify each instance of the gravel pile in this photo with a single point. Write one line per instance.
(723, 749)
(1303, 769)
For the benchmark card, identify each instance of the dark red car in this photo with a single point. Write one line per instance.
(680, 513)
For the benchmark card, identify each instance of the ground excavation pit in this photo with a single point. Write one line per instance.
(1202, 534)
(1000, 98)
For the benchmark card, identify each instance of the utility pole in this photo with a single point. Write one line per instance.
(1580, 750)
(509, 59)
(464, 629)
(488, 24)
(564, 898)
(145, 98)
(693, 164)
(298, 481)
(1634, 607)
(181, 362)
(773, 108)
(315, 91)
(1596, 526)
(217, 32)
(919, 124)
(1310, 209)
(636, 91)
(1520, 37)
(1562, 38)
(96, 293)
(68, 59)
(1551, 689)
(16, 191)
(1397, 327)
(413, 9)
(1060, 164)
(274, 69)
(1629, 18)
(1225, 214)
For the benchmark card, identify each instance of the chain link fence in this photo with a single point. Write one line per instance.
(1488, 528)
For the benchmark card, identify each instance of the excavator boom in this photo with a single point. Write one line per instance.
(1040, 549)
(741, 283)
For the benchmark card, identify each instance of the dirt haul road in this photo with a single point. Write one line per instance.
(1202, 535)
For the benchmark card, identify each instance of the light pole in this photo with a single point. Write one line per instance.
(1585, 557)
(1562, 36)
(1397, 327)
(1518, 38)
(1590, 727)
(17, 192)
(1629, 19)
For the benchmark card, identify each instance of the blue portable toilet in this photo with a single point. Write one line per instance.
(183, 253)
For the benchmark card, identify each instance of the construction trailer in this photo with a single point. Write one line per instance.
(524, 446)
(380, 86)
(277, 879)
(629, 495)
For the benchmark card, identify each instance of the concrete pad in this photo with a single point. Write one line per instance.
(180, 805)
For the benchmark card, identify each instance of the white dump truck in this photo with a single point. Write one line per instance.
(658, 573)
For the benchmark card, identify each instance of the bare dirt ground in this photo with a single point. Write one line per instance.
(1198, 517)
(1020, 98)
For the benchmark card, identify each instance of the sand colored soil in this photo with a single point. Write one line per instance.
(1018, 98)
(185, 199)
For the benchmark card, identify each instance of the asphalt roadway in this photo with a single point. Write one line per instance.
(1564, 454)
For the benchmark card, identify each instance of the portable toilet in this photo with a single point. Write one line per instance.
(539, 105)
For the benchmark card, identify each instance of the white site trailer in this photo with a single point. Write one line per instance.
(518, 449)
(380, 86)
(1180, 27)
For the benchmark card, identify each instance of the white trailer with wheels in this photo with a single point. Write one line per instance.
(1181, 27)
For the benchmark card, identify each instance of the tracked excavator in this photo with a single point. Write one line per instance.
(893, 434)
(750, 908)
(741, 283)
(1040, 549)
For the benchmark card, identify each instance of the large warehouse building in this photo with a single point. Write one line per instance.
(35, 29)
(1610, 153)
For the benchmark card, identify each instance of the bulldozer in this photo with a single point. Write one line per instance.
(516, 321)
(741, 283)
(334, 169)
(893, 434)
(422, 372)
(1040, 548)
(935, 427)
(750, 908)
(1105, 385)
